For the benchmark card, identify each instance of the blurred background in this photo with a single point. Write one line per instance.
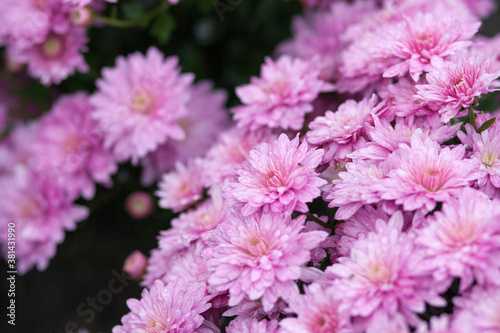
(227, 49)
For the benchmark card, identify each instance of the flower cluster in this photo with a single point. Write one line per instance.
(357, 188)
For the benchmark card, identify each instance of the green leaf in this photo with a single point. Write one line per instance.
(133, 10)
(486, 125)
(162, 28)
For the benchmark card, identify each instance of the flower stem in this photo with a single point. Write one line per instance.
(472, 117)
(313, 218)
(113, 21)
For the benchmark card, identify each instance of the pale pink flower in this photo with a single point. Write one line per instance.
(424, 174)
(194, 224)
(176, 306)
(478, 311)
(135, 264)
(56, 57)
(317, 312)
(252, 325)
(139, 102)
(463, 240)
(182, 187)
(342, 132)
(225, 157)
(316, 35)
(439, 324)
(41, 211)
(72, 146)
(361, 223)
(139, 205)
(25, 23)
(187, 264)
(357, 186)
(385, 275)
(385, 138)
(259, 257)
(424, 41)
(206, 118)
(281, 97)
(458, 85)
(485, 158)
(279, 175)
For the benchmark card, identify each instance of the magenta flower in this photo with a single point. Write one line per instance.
(259, 257)
(317, 312)
(175, 307)
(279, 175)
(56, 57)
(385, 275)
(182, 187)
(342, 132)
(463, 240)
(458, 84)
(424, 174)
(41, 211)
(72, 146)
(281, 97)
(139, 102)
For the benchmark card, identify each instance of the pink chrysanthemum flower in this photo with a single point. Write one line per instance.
(205, 120)
(187, 264)
(41, 211)
(357, 186)
(385, 275)
(175, 307)
(317, 312)
(361, 223)
(485, 158)
(424, 174)
(252, 325)
(195, 224)
(317, 34)
(439, 324)
(481, 8)
(478, 311)
(279, 175)
(182, 187)
(18, 149)
(458, 84)
(342, 132)
(259, 257)
(404, 99)
(139, 103)
(385, 138)
(25, 23)
(72, 147)
(281, 97)
(225, 157)
(463, 240)
(424, 41)
(56, 57)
